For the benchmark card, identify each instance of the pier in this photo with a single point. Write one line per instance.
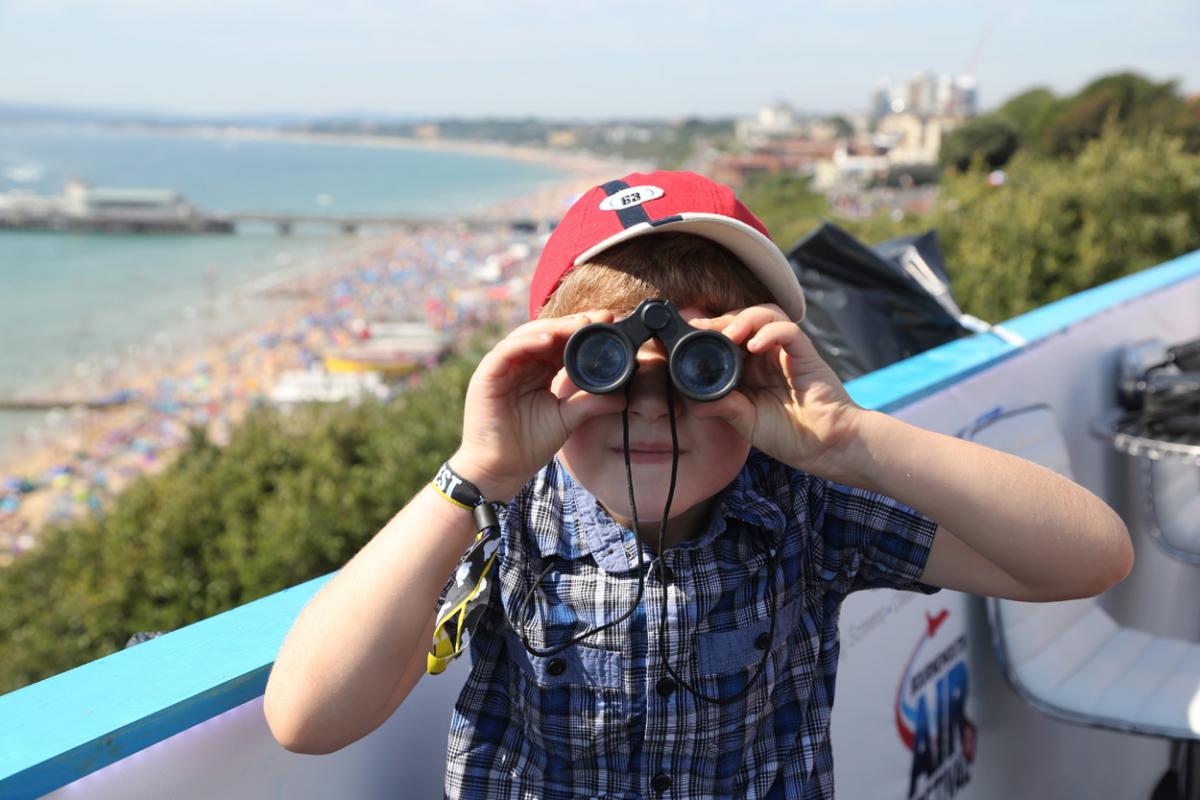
(85, 209)
(229, 222)
(286, 222)
(48, 402)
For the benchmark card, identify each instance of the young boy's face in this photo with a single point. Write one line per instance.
(711, 452)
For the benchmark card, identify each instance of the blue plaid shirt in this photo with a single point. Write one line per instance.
(603, 718)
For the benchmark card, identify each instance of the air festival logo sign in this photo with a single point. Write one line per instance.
(931, 715)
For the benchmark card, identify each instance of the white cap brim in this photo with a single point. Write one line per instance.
(756, 251)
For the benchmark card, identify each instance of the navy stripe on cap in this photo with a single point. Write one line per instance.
(633, 215)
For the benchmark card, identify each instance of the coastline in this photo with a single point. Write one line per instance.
(578, 162)
(94, 455)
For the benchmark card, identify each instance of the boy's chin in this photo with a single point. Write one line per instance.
(649, 509)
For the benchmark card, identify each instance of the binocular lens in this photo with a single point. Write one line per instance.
(705, 367)
(601, 360)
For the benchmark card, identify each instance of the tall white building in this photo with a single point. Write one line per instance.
(914, 115)
(926, 95)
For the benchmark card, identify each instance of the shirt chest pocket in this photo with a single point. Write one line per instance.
(572, 705)
(728, 660)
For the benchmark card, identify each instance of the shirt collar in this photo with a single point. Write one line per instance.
(579, 526)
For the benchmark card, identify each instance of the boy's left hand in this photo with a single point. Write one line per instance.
(789, 403)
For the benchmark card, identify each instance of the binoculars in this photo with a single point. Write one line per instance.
(602, 357)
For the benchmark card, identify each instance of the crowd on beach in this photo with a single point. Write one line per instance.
(450, 277)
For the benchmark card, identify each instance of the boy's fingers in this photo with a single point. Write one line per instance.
(734, 408)
(712, 323)
(778, 333)
(561, 385)
(562, 326)
(740, 325)
(578, 406)
(540, 340)
(517, 350)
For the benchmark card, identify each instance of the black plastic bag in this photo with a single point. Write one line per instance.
(870, 307)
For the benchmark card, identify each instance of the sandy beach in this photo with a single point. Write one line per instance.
(449, 277)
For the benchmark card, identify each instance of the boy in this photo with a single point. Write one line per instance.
(605, 666)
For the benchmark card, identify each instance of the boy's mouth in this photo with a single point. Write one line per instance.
(647, 452)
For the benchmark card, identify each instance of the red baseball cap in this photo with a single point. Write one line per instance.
(641, 204)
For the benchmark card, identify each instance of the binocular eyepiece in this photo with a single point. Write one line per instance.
(703, 364)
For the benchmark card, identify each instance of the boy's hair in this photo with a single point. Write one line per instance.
(685, 269)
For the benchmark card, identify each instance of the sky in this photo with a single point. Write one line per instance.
(572, 59)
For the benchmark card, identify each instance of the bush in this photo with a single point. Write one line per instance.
(290, 498)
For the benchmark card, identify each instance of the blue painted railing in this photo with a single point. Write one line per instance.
(65, 727)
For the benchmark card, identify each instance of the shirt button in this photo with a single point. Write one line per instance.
(557, 666)
(666, 686)
(660, 782)
(763, 640)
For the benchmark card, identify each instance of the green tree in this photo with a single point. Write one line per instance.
(786, 204)
(289, 498)
(1059, 226)
(1136, 105)
(990, 138)
(1030, 112)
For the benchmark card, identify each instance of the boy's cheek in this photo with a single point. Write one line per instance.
(586, 443)
(725, 447)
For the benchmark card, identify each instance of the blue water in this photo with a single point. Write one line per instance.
(73, 306)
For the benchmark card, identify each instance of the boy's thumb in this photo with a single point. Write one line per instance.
(734, 408)
(579, 406)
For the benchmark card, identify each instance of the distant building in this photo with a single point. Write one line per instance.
(775, 120)
(857, 161)
(82, 207)
(79, 199)
(926, 95)
(428, 131)
(819, 130)
(912, 117)
(793, 156)
(914, 139)
(621, 134)
(562, 137)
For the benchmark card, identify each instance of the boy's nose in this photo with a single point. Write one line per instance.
(648, 389)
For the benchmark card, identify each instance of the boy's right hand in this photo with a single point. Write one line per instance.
(517, 414)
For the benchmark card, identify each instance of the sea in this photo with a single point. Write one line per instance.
(75, 308)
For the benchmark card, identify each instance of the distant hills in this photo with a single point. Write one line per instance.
(28, 113)
(667, 143)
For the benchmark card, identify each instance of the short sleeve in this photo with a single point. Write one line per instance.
(867, 540)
